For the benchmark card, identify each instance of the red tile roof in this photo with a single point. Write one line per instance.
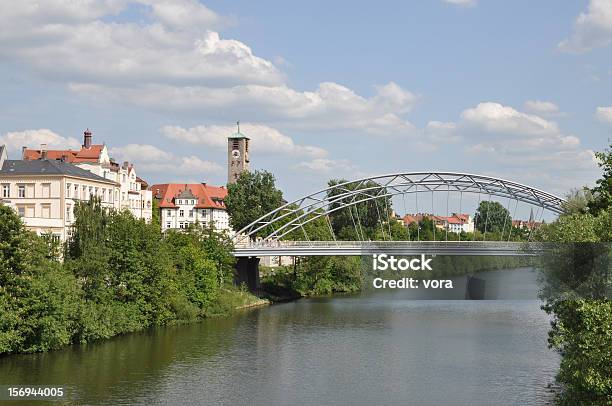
(209, 197)
(454, 219)
(91, 154)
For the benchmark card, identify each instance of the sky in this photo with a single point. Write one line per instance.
(521, 90)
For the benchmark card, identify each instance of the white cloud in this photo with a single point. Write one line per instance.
(149, 158)
(439, 132)
(328, 166)
(592, 29)
(172, 59)
(34, 138)
(545, 108)
(175, 47)
(330, 106)
(265, 139)
(464, 3)
(604, 114)
(513, 142)
(183, 14)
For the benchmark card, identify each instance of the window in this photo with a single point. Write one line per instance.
(168, 224)
(45, 211)
(46, 189)
(21, 190)
(169, 213)
(6, 190)
(191, 213)
(21, 211)
(68, 189)
(68, 212)
(181, 213)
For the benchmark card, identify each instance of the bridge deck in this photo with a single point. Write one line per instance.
(358, 248)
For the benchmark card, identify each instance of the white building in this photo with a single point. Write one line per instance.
(181, 205)
(133, 194)
(44, 192)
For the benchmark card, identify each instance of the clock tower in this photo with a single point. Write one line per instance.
(237, 155)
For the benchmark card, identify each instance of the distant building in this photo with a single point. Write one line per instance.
(237, 155)
(456, 223)
(528, 224)
(181, 205)
(43, 192)
(132, 195)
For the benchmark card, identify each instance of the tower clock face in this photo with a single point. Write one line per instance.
(235, 154)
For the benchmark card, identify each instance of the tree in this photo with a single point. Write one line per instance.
(576, 291)
(38, 299)
(602, 193)
(577, 201)
(253, 195)
(367, 218)
(492, 217)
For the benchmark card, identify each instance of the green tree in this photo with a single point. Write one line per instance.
(492, 217)
(38, 300)
(367, 218)
(576, 292)
(253, 195)
(602, 193)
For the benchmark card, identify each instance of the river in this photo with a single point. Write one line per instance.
(369, 349)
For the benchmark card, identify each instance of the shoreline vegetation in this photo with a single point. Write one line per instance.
(115, 275)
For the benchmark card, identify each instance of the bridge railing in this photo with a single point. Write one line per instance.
(393, 244)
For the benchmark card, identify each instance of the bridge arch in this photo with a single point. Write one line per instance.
(294, 215)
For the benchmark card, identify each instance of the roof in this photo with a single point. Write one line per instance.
(142, 182)
(209, 197)
(238, 135)
(47, 167)
(454, 219)
(91, 154)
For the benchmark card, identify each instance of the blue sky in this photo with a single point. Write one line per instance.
(518, 89)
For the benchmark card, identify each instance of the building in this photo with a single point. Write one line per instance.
(528, 224)
(133, 194)
(181, 205)
(455, 223)
(237, 155)
(44, 192)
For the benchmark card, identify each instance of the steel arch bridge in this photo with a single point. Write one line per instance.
(276, 225)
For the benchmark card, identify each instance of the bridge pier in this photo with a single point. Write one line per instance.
(247, 271)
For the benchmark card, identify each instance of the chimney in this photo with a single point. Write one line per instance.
(43, 151)
(87, 139)
(23, 152)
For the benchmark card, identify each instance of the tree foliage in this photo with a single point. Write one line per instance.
(119, 275)
(492, 217)
(578, 282)
(253, 195)
(38, 299)
(602, 193)
(363, 220)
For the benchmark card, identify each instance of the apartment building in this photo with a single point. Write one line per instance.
(44, 192)
(132, 195)
(181, 205)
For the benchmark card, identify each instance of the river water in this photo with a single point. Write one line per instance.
(369, 349)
